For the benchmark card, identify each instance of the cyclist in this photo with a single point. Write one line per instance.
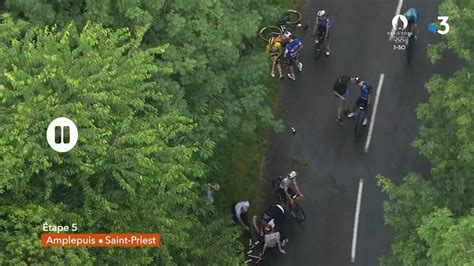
(273, 216)
(322, 28)
(291, 54)
(271, 240)
(287, 191)
(412, 17)
(274, 49)
(239, 214)
(364, 99)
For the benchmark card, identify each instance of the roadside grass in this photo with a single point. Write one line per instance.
(243, 168)
(242, 159)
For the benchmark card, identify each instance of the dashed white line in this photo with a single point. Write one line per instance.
(374, 112)
(397, 11)
(356, 221)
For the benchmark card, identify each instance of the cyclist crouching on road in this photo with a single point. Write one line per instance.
(275, 51)
(291, 54)
(239, 214)
(364, 99)
(273, 216)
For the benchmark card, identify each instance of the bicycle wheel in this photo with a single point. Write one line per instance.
(317, 51)
(290, 17)
(276, 189)
(297, 212)
(410, 49)
(267, 32)
(358, 125)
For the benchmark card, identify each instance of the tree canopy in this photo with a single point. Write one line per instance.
(155, 87)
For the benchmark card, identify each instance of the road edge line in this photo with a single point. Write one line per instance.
(356, 221)
(374, 112)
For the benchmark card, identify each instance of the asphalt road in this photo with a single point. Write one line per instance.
(330, 162)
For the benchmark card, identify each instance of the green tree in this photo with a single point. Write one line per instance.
(133, 169)
(407, 204)
(449, 240)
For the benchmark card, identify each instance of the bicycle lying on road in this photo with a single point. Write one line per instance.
(295, 209)
(254, 256)
(288, 21)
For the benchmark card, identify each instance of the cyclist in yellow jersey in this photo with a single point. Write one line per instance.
(275, 50)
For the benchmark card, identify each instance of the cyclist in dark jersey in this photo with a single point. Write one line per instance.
(322, 28)
(291, 55)
(273, 216)
(364, 99)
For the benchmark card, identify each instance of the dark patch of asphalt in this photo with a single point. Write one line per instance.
(335, 163)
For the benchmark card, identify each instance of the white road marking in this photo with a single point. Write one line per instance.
(374, 112)
(399, 7)
(356, 221)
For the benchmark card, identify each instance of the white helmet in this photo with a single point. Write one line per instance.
(287, 34)
(292, 174)
(321, 13)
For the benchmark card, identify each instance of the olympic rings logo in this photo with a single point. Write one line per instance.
(400, 39)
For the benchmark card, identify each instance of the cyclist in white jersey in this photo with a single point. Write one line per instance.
(287, 191)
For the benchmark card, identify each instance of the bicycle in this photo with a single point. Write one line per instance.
(295, 209)
(410, 42)
(289, 20)
(319, 41)
(253, 254)
(359, 123)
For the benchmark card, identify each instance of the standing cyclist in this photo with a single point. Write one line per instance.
(364, 99)
(291, 54)
(322, 28)
(412, 17)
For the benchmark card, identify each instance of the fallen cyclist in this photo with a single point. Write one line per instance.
(275, 216)
(272, 239)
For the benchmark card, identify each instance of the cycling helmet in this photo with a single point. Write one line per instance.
(411, 15)
(292, 174)
(287, 34)
(321, 13)
(357, 80)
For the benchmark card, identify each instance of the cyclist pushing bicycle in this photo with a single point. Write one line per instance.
(287, 191)
(364, 100)
(322, 29)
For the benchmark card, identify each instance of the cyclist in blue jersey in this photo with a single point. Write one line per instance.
(412, 17)
(291, 55)
(322, 28)
(364, 99)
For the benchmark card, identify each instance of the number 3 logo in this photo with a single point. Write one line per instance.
(444, 23)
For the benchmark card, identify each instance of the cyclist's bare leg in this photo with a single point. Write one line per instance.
(280, 71)
(274, 61)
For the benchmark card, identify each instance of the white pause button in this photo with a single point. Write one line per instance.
(62, 142)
